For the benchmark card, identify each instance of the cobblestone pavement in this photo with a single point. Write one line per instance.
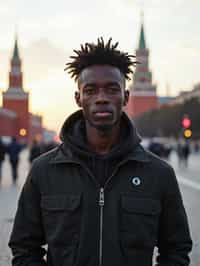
(189, 180)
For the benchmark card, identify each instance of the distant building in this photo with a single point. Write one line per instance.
(143, 96)
(187, 95)
(166, 100)
(15, 118)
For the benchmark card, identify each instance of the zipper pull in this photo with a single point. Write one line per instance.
(101, 197)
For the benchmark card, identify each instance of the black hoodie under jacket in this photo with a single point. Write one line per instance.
(78, 208)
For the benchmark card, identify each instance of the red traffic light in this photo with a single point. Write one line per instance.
(186, 122)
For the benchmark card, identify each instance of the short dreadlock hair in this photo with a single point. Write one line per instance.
(100, 54)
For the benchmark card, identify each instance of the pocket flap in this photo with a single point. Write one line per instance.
(56, 203)
(141, 205)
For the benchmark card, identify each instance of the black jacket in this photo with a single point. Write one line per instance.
(83, 223)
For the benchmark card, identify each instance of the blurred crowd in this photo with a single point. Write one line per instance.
(182, 147)
(13, 150)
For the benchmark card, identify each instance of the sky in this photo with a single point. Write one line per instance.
(48, 31)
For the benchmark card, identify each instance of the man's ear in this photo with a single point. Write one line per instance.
(77, 98)
(126, 97)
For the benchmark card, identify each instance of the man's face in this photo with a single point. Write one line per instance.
(102, 95)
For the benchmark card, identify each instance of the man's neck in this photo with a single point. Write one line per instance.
(101, 141)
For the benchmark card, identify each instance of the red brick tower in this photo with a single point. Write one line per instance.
(16, 99)
(143, 96)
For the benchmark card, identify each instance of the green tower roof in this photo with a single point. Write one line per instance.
(142, 43)
(16, 51)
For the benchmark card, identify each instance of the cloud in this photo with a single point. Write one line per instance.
(42, 57)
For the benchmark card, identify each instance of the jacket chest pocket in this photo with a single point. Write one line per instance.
(61, 217)
(139, 221)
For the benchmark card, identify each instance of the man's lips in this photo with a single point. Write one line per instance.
(102, 113)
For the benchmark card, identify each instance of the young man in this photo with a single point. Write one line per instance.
(100, 199)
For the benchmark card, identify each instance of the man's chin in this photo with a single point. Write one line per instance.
(104, 127)
(101, 126)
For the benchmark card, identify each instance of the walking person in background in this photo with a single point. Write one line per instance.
(186, 153)
(2, 156)
(100, 199)
(35, 150)
(183, 152)
(14, 149)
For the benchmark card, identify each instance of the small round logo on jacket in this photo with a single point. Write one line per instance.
(136, 181)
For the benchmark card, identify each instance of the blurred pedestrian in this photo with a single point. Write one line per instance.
(35, 150)
(186, 153)
(183, 152)
(167, 149)
(2, 156)
(156, 148)
(14, 149)
(100, 198)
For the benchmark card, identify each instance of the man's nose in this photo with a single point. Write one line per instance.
(102, 97)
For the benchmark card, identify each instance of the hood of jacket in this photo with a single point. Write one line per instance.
(73, 135)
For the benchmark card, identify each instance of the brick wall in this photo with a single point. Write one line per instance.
(8, 123)
(140, 104)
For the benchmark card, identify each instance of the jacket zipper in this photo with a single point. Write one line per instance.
(101, 204)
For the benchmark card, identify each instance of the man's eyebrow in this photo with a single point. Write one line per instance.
(92, 84)
(112, 83)
(89, 84)
(108, 83)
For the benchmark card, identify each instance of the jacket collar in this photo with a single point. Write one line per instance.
(69, 150)
(66, 156)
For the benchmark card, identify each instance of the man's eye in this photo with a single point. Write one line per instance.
(89, 90)
(114, 89)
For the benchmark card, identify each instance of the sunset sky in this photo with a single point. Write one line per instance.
(48, 31)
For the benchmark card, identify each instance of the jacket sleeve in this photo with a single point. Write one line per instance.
(174, 242)
(27, 237)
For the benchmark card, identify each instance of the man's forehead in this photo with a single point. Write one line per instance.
(101, 72)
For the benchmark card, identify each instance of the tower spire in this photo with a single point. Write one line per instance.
(142, 42)
(16, 50)
(15, 74)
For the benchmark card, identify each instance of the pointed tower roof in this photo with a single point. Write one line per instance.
(142, 42)
(16, 51)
